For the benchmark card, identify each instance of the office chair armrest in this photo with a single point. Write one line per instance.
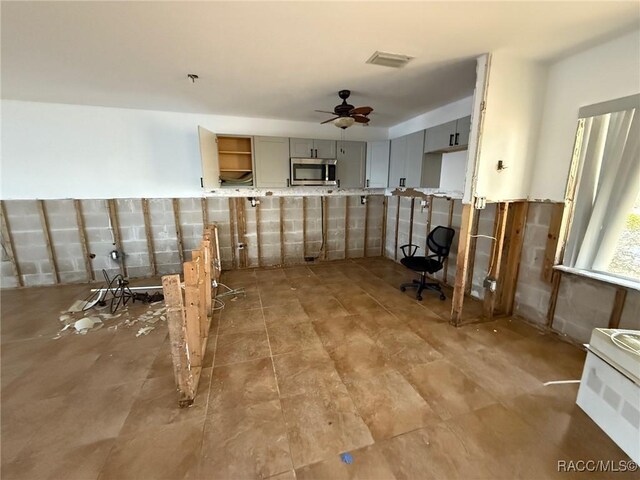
(412, 249)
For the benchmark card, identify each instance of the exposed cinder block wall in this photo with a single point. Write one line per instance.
(30, 247)
(583, 304)
(532, 292)
(440, 210)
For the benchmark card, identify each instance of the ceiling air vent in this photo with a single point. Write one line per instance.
(393, 60)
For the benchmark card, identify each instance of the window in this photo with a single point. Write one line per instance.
(604, 234)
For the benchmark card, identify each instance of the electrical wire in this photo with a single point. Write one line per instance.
(483, 236)
(624, 346)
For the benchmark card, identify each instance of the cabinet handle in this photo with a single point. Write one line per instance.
(457, 137)
(338, 183)
(311, 154)
(367, 183)
(451, 140)
(201, 183)
(288, 181)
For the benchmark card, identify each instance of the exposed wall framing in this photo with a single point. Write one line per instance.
(117, 237)
(176, 217)
(7, 243)
(148, 233)
(82, 232)
(44, 221)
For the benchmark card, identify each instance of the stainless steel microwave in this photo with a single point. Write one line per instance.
(313, 171)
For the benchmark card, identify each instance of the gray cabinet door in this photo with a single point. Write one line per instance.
(413, 166)
(351, 158)
(272, 161)
(324, 148)
(209, 158)
(377, 170)
(397, 161)
(301, 147)
(463, 128)
(440, 137)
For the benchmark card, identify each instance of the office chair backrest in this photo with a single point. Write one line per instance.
(439, 241)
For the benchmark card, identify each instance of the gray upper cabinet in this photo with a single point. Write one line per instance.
(310, 148)
(440, 137)
(413, 168)
(463, 128)
(209, 157)
(405, 163)
(450, 136)
(325, 148)
(397, 161)
(377, 169)
(301, 147)
(272, 161)
(350, 168)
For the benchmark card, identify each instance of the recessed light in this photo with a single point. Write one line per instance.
(386, 59)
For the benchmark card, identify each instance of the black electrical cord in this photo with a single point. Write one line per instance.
(120, 294)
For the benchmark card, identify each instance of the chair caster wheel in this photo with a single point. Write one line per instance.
(442, 297)
(419, 297)
(402, 289)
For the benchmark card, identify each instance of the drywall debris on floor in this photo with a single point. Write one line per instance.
(144, 331)
(85, 324)
(85, 320)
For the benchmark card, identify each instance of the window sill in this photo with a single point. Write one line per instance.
(617, 281)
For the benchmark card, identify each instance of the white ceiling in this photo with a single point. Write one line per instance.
(280, 60)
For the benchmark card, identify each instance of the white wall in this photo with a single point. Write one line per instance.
(510, 128)
(444, 114)
(605, 72)
(73, 151)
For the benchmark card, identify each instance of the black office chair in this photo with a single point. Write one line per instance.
(439, 242)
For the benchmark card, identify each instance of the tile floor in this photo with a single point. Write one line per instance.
(313, 362)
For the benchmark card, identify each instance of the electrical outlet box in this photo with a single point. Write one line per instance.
(490, 284)
(480, 203)
(423, 203)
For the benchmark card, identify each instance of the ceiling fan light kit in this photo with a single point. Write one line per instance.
(344, 122)
(346, 114)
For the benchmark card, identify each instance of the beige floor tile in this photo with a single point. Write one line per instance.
(236, 321)
(156, 404)
(241, 347)
(434, 453)
(334, 332)
(306, 371)
(358, 357)
(248, 301)
(242, 384)
(447, 390)
(323, 424)
(325, 307)
(368, 463)
(277, 295)
(403, 347)
(80, 462)
(169, 451)
(105, 404)
(245, 442)
(285, 314)
(388, 403)
(293, 337)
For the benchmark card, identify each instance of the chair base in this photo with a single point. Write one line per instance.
(422, 285)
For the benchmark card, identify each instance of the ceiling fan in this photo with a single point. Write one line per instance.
(346, 114)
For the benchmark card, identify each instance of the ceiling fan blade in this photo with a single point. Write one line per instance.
(361, 119)
(327, 121)
(361, 111)
(324, 111)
